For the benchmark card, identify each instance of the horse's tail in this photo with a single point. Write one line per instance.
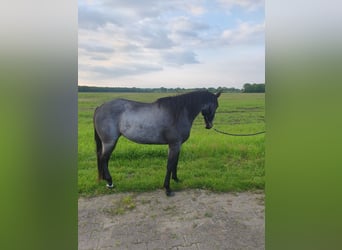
(98, 151)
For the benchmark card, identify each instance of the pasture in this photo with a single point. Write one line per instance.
(208, 160)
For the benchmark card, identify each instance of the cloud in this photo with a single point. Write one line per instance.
(248, 5)
(135, 9)
(150, 33)
(99, 58)
(99, 48)
(123, 38)
(179, 58)
(93, 18)
(245, 33)
(99, 13)
(196, 10)
(183, 30)
(111, 72)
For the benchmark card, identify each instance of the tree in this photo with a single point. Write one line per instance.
(254, 88)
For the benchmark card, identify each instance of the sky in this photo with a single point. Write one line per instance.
(171, 43)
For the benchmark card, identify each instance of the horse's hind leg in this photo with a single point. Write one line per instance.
(107, 149)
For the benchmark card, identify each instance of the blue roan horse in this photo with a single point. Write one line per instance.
(168, 120)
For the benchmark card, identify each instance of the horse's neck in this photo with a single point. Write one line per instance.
(194, 111)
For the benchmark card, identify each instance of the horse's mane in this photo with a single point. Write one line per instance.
(191, 101)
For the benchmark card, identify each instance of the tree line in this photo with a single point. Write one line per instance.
(253, 88)
(247, 88)
(152, 90)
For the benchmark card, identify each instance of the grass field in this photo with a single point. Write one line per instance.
(208, 160)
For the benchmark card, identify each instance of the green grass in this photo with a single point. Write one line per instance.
(208, 160)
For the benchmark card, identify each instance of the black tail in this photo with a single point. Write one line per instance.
(98, 153)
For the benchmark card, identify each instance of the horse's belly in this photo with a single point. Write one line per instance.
(139, 136)
(145, 133)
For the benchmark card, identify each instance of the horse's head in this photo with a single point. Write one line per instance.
(208, 111)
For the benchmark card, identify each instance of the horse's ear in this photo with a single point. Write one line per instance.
(218, 94)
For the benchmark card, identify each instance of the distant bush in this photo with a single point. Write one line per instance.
(253, 88)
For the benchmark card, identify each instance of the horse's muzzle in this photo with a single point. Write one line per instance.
(208, 125)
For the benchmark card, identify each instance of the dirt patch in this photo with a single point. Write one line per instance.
(192, 219)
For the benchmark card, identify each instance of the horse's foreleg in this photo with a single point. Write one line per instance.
(171, 167)
(174, 172)
(174, 169)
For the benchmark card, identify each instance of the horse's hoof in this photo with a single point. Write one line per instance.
(169, 193)
(177, 180)
(110, 186)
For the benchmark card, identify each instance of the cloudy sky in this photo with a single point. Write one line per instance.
(171, 43)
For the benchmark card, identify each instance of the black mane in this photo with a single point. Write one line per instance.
(192, 101)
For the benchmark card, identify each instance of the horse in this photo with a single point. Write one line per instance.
(168, 120)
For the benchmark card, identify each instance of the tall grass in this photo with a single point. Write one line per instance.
(208, 160)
